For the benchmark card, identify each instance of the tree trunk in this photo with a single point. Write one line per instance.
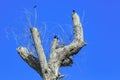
(59, 55)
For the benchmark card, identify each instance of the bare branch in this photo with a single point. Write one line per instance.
(29, 58)
(78, 42)
(54, 46)
(39, 49)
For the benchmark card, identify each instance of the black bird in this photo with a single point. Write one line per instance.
(73, 11)
(55, 37)
(34, 6)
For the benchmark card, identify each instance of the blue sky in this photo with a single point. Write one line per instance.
(99, 60)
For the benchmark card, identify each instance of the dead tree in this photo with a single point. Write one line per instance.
(59, 55)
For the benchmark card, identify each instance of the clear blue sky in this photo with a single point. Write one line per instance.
(99, 60)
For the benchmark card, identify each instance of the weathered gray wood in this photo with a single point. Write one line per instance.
(53, 46)
(59, 55)
(29, 58)
(40, 52)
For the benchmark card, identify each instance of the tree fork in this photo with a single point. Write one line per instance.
(59, 55)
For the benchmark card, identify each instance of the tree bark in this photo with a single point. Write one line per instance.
(59, 55)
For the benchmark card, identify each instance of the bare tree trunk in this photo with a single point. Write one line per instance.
(59, 55)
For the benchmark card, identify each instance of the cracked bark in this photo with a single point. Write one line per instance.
(59, 55)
